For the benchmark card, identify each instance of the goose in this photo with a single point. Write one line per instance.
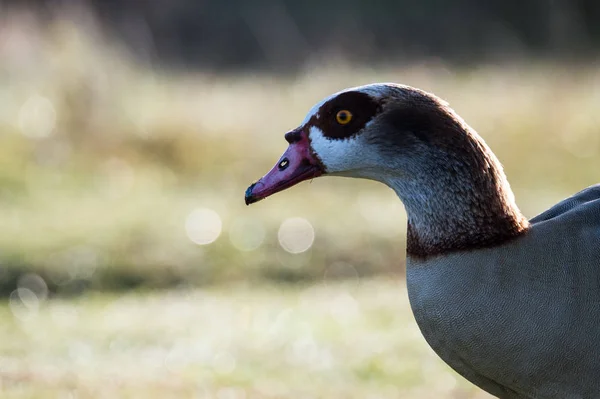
(511, 304)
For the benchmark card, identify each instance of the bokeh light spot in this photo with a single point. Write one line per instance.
(37, 117)
(246, 234)
(296, 235)
(24, 304)
(203, 226)
(35, 284)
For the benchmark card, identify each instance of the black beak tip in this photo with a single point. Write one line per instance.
(250, 200)
(248, 197)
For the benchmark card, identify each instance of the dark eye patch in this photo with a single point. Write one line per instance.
(362, 106)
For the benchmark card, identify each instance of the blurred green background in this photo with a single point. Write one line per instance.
(129, 131)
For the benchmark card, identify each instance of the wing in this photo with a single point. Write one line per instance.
(582, 198)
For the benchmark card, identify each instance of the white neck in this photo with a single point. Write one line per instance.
(450, 213)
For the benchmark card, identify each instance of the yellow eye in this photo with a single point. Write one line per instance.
(343, 117)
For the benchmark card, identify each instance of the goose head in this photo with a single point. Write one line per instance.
(453, 187)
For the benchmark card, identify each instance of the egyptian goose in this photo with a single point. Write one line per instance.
(510, 304)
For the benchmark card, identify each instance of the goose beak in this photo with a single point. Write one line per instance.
(298, 163)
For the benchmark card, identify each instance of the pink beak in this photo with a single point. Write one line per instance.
(298, 163)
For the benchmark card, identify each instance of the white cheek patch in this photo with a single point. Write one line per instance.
(350, 156)
(337, 155)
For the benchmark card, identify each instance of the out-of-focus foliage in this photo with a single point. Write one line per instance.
(281, 35)
(115, 174)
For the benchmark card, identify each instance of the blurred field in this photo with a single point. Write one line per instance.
(110, 169)
(330, 340)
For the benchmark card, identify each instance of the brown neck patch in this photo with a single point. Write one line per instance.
(483, 236)
(362, 106)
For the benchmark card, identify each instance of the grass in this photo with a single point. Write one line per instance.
(355, 339)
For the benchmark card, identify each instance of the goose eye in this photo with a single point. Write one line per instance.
(343, 117)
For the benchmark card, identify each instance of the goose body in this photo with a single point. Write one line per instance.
(511, 304)
(521, 320)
